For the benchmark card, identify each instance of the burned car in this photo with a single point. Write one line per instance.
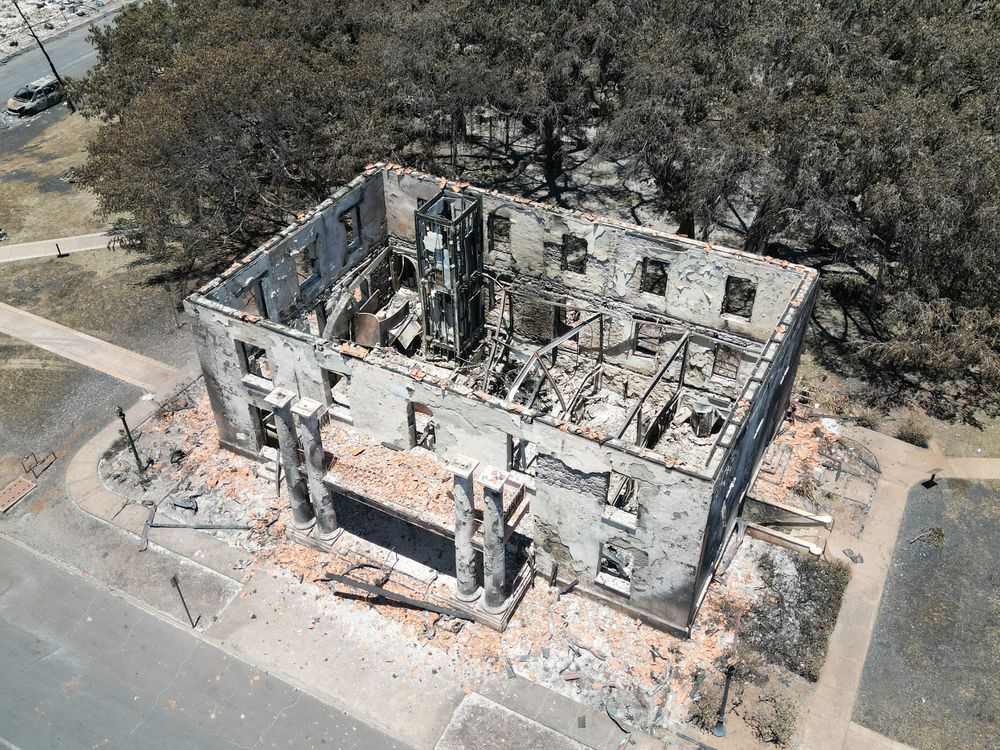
(36, 97)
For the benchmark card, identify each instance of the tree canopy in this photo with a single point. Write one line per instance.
(863, 130)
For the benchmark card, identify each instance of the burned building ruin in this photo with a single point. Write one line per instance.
(596, 395)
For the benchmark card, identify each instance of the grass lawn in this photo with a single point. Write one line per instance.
(35, 204)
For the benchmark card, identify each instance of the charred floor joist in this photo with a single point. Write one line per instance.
(590, 386)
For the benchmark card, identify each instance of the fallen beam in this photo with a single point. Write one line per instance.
(783, 540)
(816, 519)
(393, 596)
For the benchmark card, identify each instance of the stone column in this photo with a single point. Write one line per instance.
(280, 400)
(307, 415)
(494, 553)
(466, 585)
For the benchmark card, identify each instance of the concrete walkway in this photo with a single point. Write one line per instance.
(47, 248)
(92, 352)
(828, 724)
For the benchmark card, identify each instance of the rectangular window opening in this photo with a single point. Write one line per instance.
(740, 295)
(499, 233)
(622, 493)
(646, 341)
(351, 219)
(252, 299)
(336, 386)
(521, 455)
(727, 362)
(307, 264)
(574, 253)
(616, 567)
(254, 360)
(421, 425)
(265, 422)
(654, 276)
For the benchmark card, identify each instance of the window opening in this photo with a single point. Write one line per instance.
(336, 385)
(521, 455)
(307, 264)
(253, 299)
(646, 340)
(727, 362)
(574, 254)
(265, 422)
(740, 295)
(622, 493)
(499, 231)
(654, 276)
(254, 360)
(351, 219)
(616, 567)
(421, 423)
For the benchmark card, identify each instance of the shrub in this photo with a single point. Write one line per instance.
(772, 717)
(869, 418)
(706, 707)
(914, 431)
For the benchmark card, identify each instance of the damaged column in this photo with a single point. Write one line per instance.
(280, 400)
(466, 586)
(307, 415)
(494, 547)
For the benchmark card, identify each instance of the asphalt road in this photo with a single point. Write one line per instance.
(71, 54)
(83, 668)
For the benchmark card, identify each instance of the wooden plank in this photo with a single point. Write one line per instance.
(13, 492)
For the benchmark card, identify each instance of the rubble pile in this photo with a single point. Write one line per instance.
(607, 660)
(189, 478)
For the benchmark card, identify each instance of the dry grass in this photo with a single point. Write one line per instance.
(914, 431)
(34, 203)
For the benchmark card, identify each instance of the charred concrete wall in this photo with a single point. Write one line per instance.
(696, 274)
(568, 483)
(335, 237)
(674, 534)
(737, 470)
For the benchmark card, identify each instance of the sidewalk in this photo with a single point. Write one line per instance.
(47, 248)
(126, 365)
(828, 724)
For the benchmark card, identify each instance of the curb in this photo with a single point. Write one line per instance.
(85, 489)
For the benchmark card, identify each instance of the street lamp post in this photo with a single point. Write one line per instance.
(131, 442)
(720, 724)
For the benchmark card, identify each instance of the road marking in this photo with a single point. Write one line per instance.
(149, 374)
(8, 745)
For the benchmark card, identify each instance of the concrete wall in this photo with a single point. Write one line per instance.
(322, 231)
(737, 470)
(568, 512)
(696, 280)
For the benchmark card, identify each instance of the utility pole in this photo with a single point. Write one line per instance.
(69, 102)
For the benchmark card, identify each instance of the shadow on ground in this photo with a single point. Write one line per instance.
(930, 676)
